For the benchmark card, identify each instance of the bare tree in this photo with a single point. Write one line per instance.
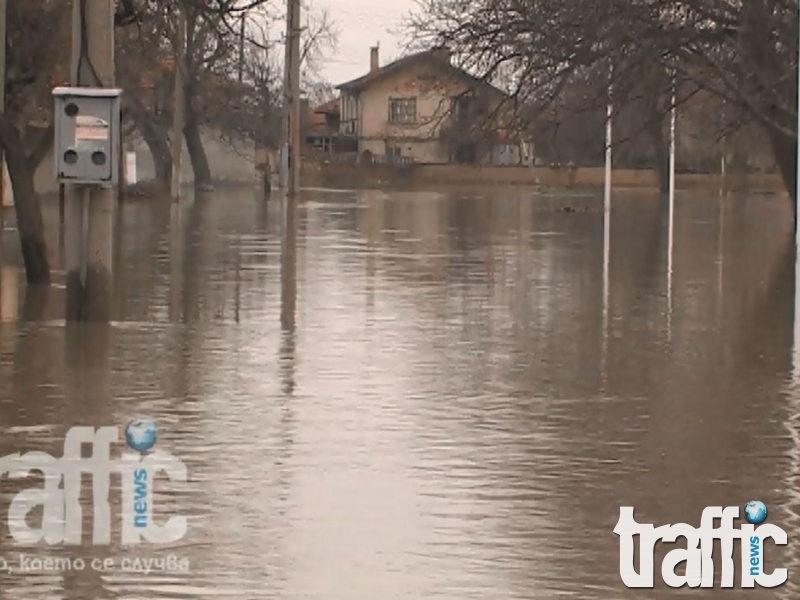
(320, 92)
(145, 71)
(320, 37)
(212, 58)
(34, 65)
(739, 52)
(225, 40)
(251, 109)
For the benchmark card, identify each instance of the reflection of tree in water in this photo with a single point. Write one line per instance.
(675, 429)
(59, 377)
(288, 296)
(792, 519)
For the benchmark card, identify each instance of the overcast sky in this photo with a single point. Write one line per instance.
(362, 23)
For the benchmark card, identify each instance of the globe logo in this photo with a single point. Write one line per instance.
(141, 434)
(755, 512)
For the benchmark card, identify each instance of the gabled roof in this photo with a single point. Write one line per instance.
(433, 56)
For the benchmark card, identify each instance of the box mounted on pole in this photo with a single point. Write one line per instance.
(87, 132)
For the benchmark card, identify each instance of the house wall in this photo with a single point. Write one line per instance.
(433, 87)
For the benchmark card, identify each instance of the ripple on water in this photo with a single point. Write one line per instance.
(419, 399)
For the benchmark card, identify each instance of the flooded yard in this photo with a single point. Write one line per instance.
(419, 395)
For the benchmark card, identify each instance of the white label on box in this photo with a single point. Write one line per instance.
(89, 131)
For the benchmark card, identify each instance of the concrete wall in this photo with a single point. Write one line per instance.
(409, 176)
(227, 163)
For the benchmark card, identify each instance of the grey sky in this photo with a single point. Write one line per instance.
(362, 23)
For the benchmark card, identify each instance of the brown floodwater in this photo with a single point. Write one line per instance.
(418, 395)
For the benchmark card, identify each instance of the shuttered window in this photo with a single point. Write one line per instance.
(402, 110)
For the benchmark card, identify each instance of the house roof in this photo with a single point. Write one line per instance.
(434, 56)
(321, 130)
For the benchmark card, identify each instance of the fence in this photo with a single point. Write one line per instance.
(353, 158)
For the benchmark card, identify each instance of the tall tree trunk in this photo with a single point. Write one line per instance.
(656, 132)
(191, 126)
(761, 63)
(785, 149)
(158, 144)
(194, 144)
(30, 225)
(154, 134)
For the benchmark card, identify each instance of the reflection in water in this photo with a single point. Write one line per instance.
(606, 279)
(670, 253)
(288, 294)
(175, 260)
(721, 246)
(793, 428)
(9, 292)
(421, 395)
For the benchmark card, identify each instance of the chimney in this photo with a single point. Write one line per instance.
(374, 61)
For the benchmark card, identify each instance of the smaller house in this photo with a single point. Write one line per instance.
(424, 109)
(322, 129)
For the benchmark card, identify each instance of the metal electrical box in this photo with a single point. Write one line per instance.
(87, 131)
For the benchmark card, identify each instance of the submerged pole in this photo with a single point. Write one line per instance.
(671, 235)
(178, 114)
(797, 173)
(796, 349)
(89, 218)
(285, 108)
(294, 114)
(609, 138)
(3, 12)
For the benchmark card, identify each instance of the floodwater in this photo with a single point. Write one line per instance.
(418, 395)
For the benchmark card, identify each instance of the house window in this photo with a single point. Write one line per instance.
(402, 110)
(349, 118)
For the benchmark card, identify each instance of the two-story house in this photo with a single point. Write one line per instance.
(421, 108)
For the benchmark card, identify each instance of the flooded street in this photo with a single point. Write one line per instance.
(420, 395)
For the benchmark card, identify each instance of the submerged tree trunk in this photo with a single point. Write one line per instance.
(660, 150)
(30, 225)
(197, 154)
(195, 36)
(155, 136)
(785, 149)
(158, 144)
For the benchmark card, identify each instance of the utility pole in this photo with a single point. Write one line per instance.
(797, 171)
(672, 126)
(294, 117)
(723, 166)
(90, 215)
(287, 61)
(3, 13)
(241, 47)
(673, 119)
(178, 111)
(609, 137)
